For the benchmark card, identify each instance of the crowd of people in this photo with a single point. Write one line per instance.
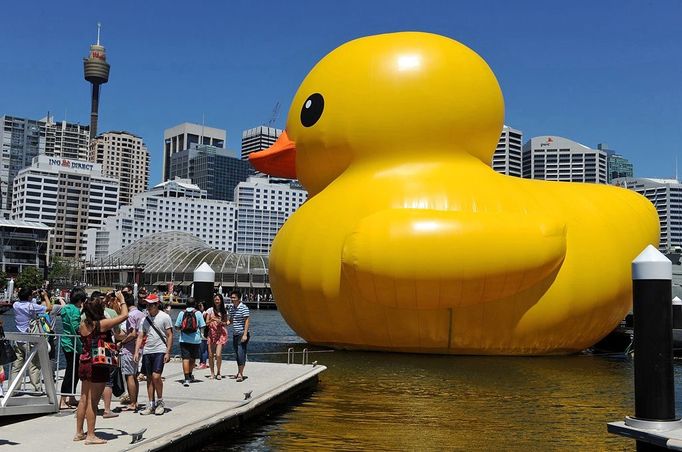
(107, 333)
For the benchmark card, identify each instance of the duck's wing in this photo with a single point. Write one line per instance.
(426, 259)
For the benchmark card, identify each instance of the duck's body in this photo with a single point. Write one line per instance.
(427, 249)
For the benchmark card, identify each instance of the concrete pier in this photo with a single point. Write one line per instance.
(193, 414)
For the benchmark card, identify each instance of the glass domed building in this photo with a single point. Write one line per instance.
(164, 257)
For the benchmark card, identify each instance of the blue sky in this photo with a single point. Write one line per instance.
(606, 71)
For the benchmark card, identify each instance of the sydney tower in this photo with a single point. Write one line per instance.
(96, 71)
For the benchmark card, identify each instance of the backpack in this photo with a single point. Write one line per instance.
(189, 323)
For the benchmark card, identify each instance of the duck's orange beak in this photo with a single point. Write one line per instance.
(278, 160)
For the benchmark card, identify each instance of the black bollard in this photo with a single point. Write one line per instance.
(677, 314)
(653, 340)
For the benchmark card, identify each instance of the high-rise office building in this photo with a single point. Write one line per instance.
(508, 157)
(123, 156)
(66, 195)
(560, 159)
(262, 208)
(174, 205)
(617, 165)
(183, 135)
(257, 139)
(213, 169)
(666, 196)
(23, 139)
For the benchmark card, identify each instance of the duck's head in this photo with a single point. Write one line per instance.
(392, 97)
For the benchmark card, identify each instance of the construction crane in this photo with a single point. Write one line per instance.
(274, 116)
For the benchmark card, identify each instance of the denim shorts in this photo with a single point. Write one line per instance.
(152, 363)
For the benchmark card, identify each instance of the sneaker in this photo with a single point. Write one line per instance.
(186, 383)
(160, 409)
(202, 366)
(147, 411)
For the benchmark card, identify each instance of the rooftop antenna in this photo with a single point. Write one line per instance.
(203, 119)
(99, 27)
(676, 169)
(274, 115)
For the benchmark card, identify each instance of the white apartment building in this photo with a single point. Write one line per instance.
(125, 157)
(67, 140)
(560, 159)
(69, 196)
(247, 225)
(176, 205)
(666, 196)
(508, 157)
(183, 135)
(263, 207)
(257, 139)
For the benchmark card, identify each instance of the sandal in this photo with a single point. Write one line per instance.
(79, 437)
(109, 415)
(218, 377)
(239, 379)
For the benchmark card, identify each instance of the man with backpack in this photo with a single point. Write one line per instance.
(190, 322)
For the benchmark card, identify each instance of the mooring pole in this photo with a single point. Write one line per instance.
(653, 340)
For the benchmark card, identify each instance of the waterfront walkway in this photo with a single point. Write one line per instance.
(215, 405)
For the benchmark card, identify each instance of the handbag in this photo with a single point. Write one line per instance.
(118, 385)
(104, 352)
(7, 354)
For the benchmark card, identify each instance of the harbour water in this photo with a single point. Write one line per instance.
(379, 401)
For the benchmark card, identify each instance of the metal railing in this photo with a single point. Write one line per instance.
(291, 355)
(11, 404)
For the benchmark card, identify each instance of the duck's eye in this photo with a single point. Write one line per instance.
(312, 109)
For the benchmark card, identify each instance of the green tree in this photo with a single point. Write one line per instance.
(63, 271)
(58, 270)
(29, 277)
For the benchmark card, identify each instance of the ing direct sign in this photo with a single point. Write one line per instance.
(66, 163)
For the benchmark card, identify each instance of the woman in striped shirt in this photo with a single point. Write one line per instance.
(239, 319)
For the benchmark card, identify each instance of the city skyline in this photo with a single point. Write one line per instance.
(593, 73)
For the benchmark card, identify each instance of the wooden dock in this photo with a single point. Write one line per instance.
(193, 414)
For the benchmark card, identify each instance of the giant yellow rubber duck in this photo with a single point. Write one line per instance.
(410, 242)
